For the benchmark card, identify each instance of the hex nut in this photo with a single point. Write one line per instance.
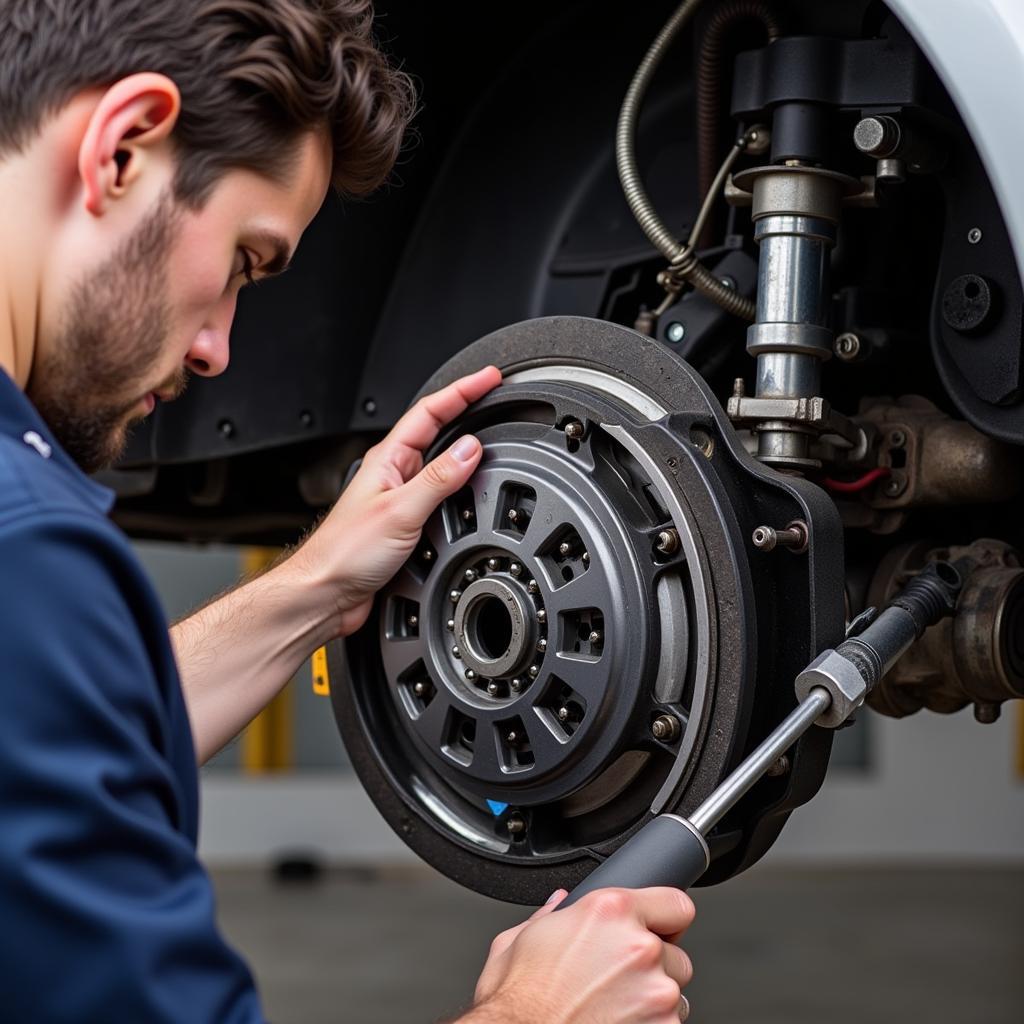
(843, 681)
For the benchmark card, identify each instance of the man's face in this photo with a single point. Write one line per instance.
(134, 325)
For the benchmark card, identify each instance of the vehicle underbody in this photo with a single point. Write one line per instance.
(719, 439)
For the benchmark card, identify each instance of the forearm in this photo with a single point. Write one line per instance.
(236, 654)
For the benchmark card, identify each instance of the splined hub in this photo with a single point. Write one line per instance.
(573, 647)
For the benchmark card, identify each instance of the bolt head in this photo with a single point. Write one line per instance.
(532, 587)
(512, 737)
(515, 825)
(513, 515)
(533, 671)
(516, 685)
(516, 569)
(470, 575)
(492, 688)
(542, 645)
(470, 674)
(542, 616)
(492, 564)
(675, 332)
(455, 596)
(895, 486)
(419, 689)
(763, 538)
(564, 548)
(595, 637)
(413, 621)
(450, 624)
(467, 514)
(847, 346)
(974, 236)
(563, 714)
(668, 542)
(665, 728)
(427, 555)
(574, 430)
(456, 653)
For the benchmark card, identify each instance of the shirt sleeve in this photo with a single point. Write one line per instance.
(107, 913)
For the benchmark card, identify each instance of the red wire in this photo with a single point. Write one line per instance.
(854, 486)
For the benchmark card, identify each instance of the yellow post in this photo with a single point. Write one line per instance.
(267, 742)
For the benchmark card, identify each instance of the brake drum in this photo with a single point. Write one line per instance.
(586, 635)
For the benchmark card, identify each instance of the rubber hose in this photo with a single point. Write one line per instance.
(632, 185)
(709, 82)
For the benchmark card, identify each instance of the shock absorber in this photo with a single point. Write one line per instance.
(795, 205)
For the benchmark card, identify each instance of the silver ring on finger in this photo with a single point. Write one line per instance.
(684, 1007)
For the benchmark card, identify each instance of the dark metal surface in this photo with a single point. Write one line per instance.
(756, 641)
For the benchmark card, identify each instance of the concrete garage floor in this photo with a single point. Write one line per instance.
(772, 947)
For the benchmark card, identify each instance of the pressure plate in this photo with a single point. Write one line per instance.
(587, 635)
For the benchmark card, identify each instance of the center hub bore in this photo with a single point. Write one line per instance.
(496, 627)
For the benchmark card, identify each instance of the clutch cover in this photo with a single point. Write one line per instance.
(586, 635)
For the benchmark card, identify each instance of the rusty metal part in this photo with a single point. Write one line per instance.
(977, 656)
(933, 461)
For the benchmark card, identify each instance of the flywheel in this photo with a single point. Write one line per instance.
(587, 634)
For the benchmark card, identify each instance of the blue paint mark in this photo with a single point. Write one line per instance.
(497, 809)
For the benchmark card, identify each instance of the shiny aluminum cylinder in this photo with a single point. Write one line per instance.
(795, 213)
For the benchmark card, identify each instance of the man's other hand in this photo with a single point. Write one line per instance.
(611, 958)
(378, 520)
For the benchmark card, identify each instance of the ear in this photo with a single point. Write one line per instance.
(132, 117)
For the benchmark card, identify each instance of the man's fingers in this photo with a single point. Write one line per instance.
(506, 938)
(437, 480)
(421, 424)
(677, 965)
(663, 910)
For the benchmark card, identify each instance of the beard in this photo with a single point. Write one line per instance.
(114, 329)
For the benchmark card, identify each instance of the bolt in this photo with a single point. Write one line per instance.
(565, 548)
(492, 688)
(897, 439)
(516, 569)
(668, 542)
(370, 407)
(467, 514)
(574, 430)
(665, 728)
(595, 637)
(739, 388)
(226, 429)
(542, 645)
(986, 713)
(456, 653)
(794, 537)
(470, 574)
(427, 555)
(563, 714)
(780, 767)
(533, 671)
(451, 625)
(847, 346)
(532, 587)
(974, 236)
(492, 565)
(516, 685)
(512, 738)
(455, 596)
(470, 674)
(419, 689)
(728, 282)
(675, 332)
(542, 616)
(516, 515)
(895, 485)
(586, 558)
(878, 136)
(516, 825)
(413, 621)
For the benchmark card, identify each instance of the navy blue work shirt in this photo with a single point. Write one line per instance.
(106, 915)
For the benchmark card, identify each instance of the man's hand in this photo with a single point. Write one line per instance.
(237, 653)
(378, 520)
(610, 958)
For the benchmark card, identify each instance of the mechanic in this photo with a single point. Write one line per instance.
(156, 155)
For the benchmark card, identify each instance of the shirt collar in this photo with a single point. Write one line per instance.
(20, 420)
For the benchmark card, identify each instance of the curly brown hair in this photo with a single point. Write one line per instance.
(254, 76)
